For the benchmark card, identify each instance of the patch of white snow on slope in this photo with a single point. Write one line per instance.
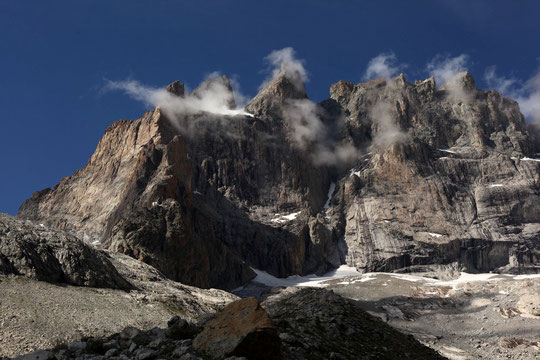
(304, 281)
(447, 151)
(285, 218)
(331, 190)
(529, 159)
(353, 172)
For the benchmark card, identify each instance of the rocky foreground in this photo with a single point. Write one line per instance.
(486, 316)
(304, 324)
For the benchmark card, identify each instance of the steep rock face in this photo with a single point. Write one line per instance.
(122, 191)
(54, 256)
(446, 179)
(439, 176)
(195, 197)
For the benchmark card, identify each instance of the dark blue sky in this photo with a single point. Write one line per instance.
(56, 55)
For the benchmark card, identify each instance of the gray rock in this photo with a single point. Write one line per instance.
(147, 354)
(111, 353)
(112, 344)
(135, 335)
(176, 88)
(179, 329)
(76, 346)
(37, 355)
(51, 255)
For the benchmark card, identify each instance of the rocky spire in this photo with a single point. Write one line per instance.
(217, 84)
(462, 80)
(176, 88)
(275, 93)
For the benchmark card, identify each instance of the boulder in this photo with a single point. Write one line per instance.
(241, 329)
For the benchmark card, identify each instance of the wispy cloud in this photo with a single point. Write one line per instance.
(213, 96)
(383, 66)
(388, 131)
(444, 68)
(501, 84)
(285, 61)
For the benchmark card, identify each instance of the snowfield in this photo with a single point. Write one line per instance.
(309, 280)
(285, 218)
(351, 276)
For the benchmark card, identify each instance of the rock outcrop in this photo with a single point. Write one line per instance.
(40, 315)
(438, 176)
(241, 329)
(40, 253)
(319, 324)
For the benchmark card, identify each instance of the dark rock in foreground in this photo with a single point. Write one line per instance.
(312, 324)
(318, 324)
(242, 328)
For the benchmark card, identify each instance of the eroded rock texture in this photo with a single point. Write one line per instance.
(54, 256)
(438, 176)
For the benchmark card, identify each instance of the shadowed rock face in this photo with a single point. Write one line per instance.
(442, 176)
(54, 256)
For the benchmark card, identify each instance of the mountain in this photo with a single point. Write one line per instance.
(385, 175)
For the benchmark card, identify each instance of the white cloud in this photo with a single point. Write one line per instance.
(303, 118)
(529, 102)
(388, 132)
(213, 96)
(285, 61)
(501, 84)
(445, 68)
(383, 66)
(309, 133)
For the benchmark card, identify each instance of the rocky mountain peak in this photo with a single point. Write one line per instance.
(275, 93)
(176, 88)
(462, 80)
(217, 86)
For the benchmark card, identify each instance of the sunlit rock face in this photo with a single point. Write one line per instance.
(383, 175)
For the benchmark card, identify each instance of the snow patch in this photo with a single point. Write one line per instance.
(96, 242)
(524, 159)
(197, 192)
(41, 225)
(155, 203)
(495, 185)
(447, 151)
(354, 172)
(529, 159)
(331, 190)
(304, 281)
(434, 235)
(285, 218)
